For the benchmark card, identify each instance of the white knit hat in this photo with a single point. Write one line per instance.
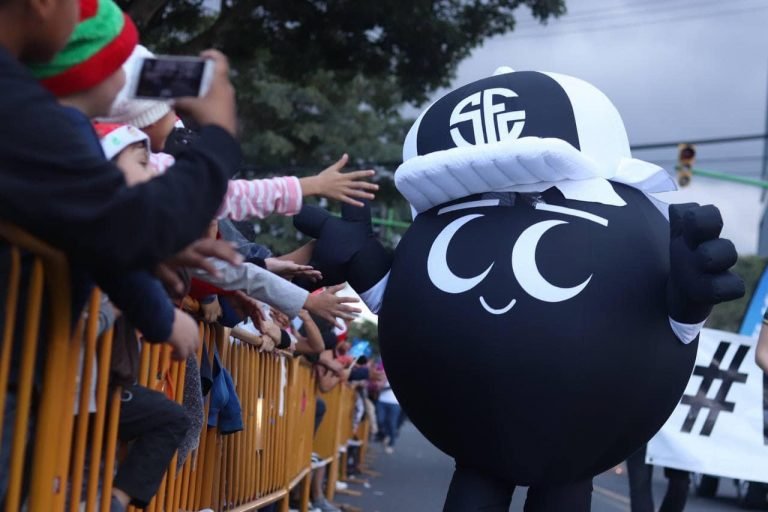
(138, 113)
(116, 137)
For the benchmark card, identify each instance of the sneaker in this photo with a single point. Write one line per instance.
(116, 506)
(341, 486)
(389, 450)
(325, 506)
(317, 462)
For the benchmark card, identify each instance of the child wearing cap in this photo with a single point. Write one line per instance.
(128, 147)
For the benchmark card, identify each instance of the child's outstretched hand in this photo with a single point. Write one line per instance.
(330, 306)
(347, 187)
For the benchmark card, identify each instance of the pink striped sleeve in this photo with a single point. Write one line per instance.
(249, 199)
(295, 197)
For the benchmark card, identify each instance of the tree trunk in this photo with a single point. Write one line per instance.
(142, 11)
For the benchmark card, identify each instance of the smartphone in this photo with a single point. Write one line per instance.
(166, 77)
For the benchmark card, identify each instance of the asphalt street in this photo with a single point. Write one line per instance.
(415, 479)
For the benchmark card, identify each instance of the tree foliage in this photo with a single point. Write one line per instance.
(316, 78)
(417, 42)
(365, 330)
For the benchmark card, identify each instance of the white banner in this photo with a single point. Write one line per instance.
(718, 427)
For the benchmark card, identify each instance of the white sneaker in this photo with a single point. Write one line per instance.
(341, 486)
(323, 505)
(389, 450)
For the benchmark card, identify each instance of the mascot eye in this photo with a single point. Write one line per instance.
(527, 272)
(437, 262)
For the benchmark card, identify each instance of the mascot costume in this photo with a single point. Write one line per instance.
(539, 319)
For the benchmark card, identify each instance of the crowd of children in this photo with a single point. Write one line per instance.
(141, 206)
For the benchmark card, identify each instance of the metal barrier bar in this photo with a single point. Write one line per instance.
(87, 357)
(43, 475)
(11, 301)
(102, 384)
(243, 471)
(26, 376)
(111, 447)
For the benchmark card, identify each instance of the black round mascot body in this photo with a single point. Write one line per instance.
(535, 343)
(539, 319)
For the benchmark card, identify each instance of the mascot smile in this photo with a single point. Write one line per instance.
(539, 319)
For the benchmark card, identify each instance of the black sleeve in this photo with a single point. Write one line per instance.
(142, 300)
(52, 185)
(285, 340)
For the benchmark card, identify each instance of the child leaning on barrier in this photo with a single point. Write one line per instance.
(128, 145)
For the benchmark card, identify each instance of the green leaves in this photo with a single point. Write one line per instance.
(417, 43)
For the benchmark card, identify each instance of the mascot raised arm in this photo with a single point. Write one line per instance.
(539, 319)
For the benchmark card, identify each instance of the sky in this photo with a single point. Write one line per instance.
(676, 70)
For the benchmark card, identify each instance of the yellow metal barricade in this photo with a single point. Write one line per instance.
(301, 423)
(345, 428)
(271, 455)
(328, 437)
(49, 448)
(63, 450)
(363, 435)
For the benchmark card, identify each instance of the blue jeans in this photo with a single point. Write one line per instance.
(389, 415)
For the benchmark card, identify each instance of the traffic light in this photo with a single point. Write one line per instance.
(686, 155)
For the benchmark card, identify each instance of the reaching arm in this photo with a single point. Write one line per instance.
(257, 199)
(313, 342)
(258, 283)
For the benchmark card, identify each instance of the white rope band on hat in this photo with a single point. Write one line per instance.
(528, 164)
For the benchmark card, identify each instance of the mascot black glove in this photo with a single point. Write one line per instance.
(347, 249)
(699, 262)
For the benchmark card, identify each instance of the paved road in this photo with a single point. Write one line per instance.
(415, 479)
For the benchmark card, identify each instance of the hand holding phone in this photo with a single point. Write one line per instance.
(167, 77)
(218, 105)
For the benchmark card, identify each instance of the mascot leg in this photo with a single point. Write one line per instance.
(573, 497)
(472, 491)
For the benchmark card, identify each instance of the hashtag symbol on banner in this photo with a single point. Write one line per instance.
(709, 374)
